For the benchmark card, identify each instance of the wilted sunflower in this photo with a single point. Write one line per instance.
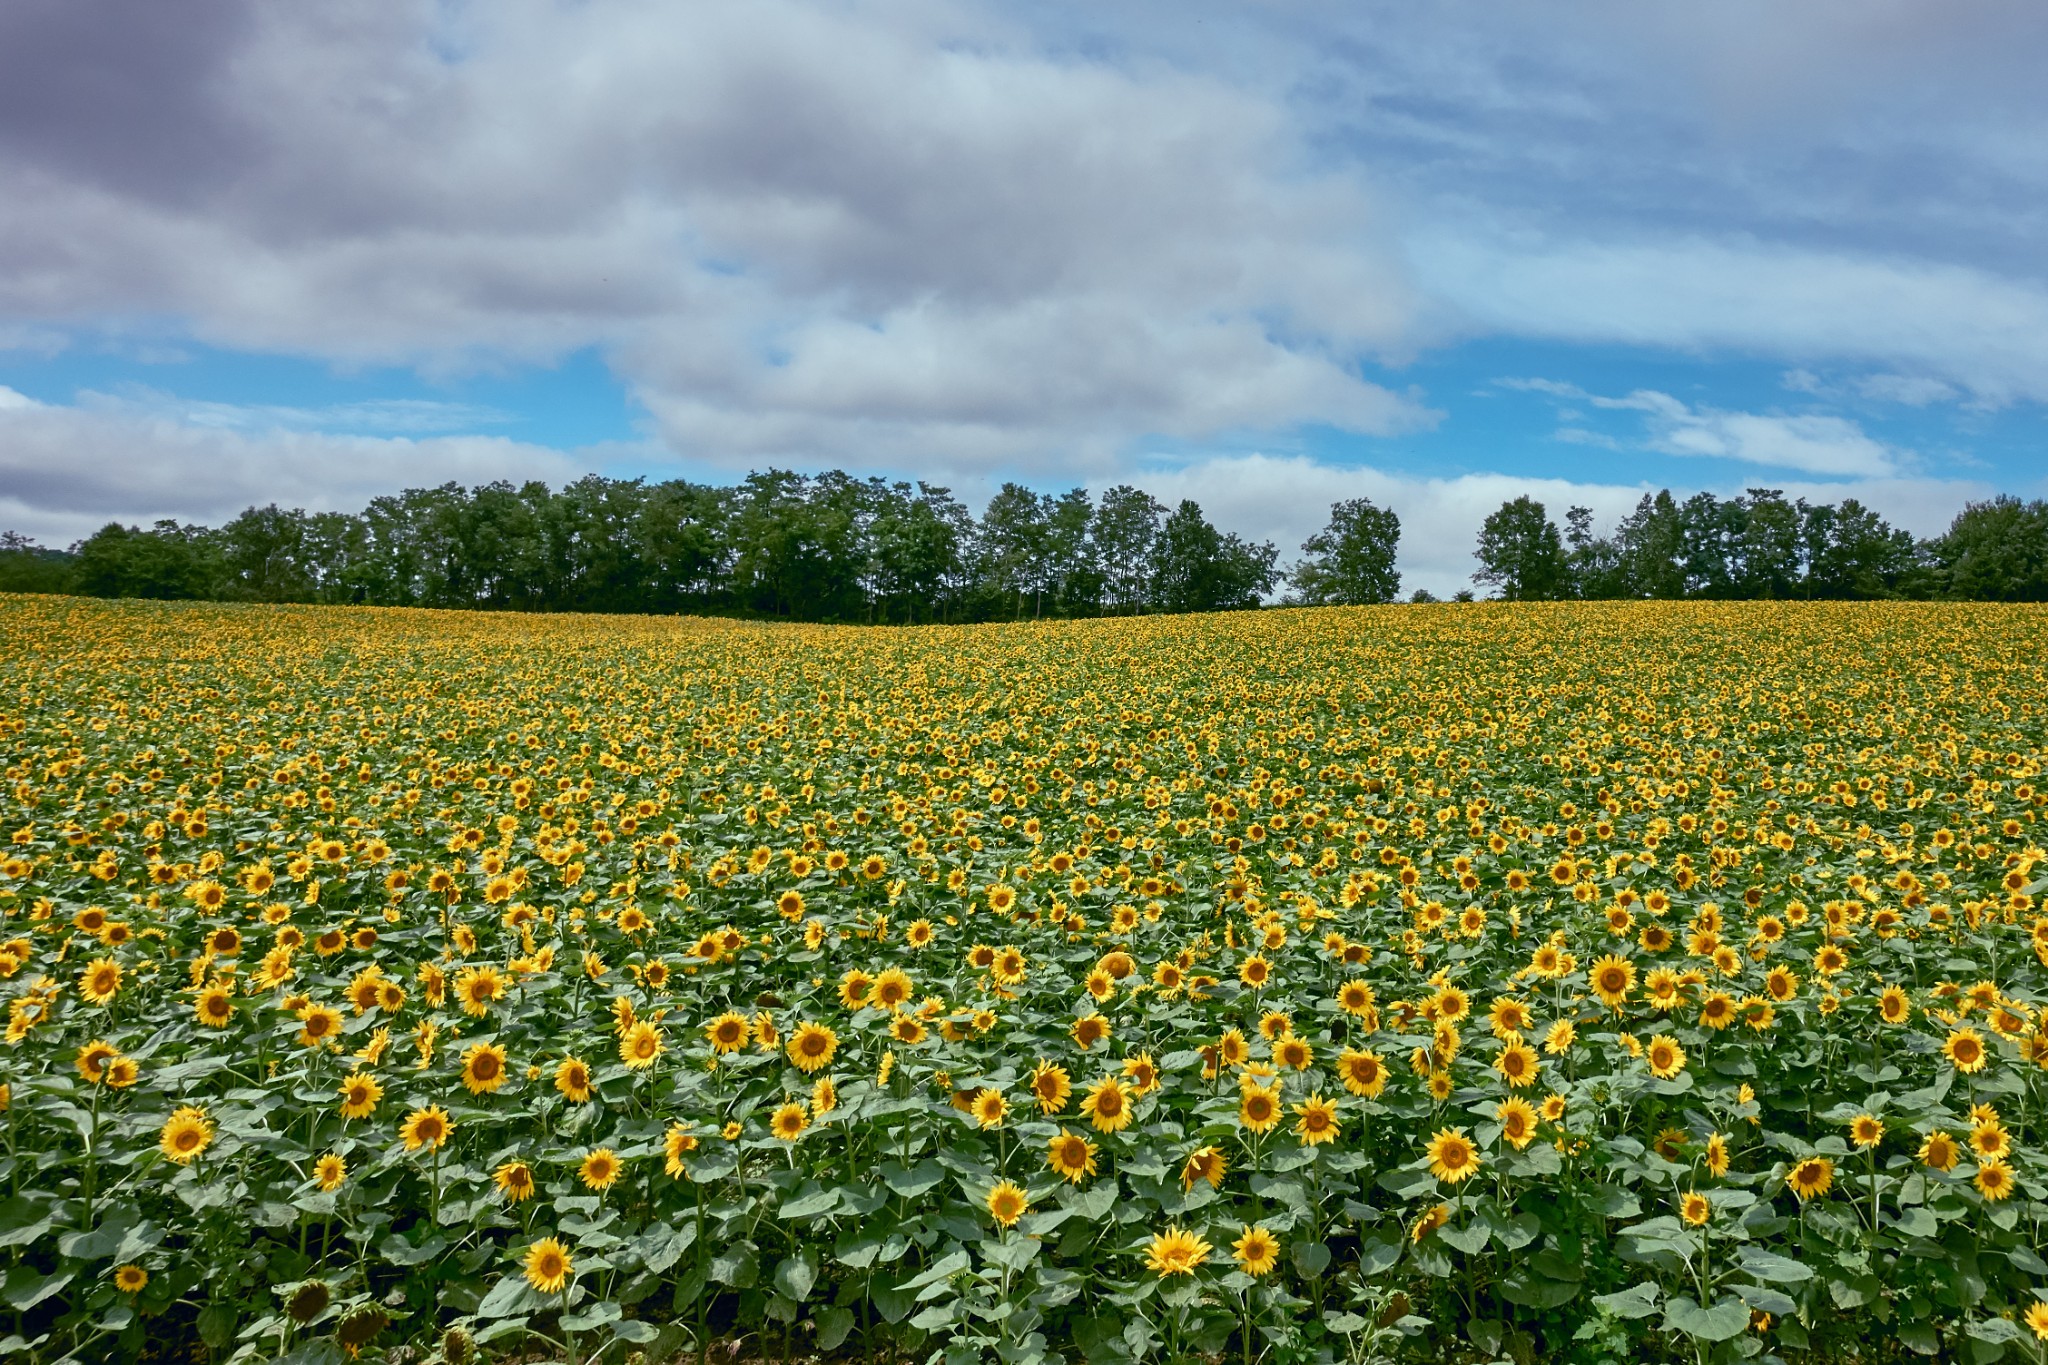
(1071, 1155)
(548, 1266)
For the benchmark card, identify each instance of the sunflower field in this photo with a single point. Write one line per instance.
(1460, 983)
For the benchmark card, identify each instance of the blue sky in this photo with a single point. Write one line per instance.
(1266, 256)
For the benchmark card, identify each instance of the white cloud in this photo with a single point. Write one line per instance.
(1810, 443)
(67, 471)
(14, 401)
(1980, 332)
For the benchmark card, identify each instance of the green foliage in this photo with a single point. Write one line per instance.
(1350, 562)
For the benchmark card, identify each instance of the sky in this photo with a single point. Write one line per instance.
(1263, 254)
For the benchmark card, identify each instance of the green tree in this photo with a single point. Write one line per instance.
(1123, 534)
(1351, 560)
(1521, 553)
(1198, 568)
(1995, 551)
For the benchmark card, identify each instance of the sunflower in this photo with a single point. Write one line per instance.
(1176, 1251)
(1355, 998)
(1813, 1176)
(892, 988)
(1866, 1130)
(2037, 1318)
(600, 1168)
(548, 1265)
(1257, 1251)
(1664, 1056)
(1050, 1087)
(514, 1180)
(789, 1121)
(572, 1079)
(640, 1045)
(1517, 1064)
(1695, 1209)
(1612, 978)
(1089, 1029)
(93, 1058)
(476, 988)
(360, 1094)
(1939, 1151)
(1717, 1011)
(100, 982)
(1559, 1037)
(728, 1032)
(1255, 971)
(1517, 1121)
(1204, 1163)
(1107, 1105)
(1259, 1108)
(812, 1046)
(1965, 1050)
(186, 1134)
(1717, 1155)
(1316, 1121)
(330, 1171)
(1989, 1140)
(1293, 1053)
(1007, 1203)
(215, 1006)
(1994, 1180)
(483, 1068)
(1363, 1073)
(428, 1128)
(1452, 1157)
(318, 1024)
(988, 1108)
(1071, 1155)
(1431, 1219)
(131, 1279)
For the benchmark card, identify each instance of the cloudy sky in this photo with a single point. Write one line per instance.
(1266, 255)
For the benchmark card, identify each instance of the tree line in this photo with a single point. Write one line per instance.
(1760, 545)
(832, 547)
(828, 547)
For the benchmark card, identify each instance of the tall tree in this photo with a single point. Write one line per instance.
(1351, 560)
(1198, 568)
(1995, 551)
(1521, 553)
(1124, 532)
